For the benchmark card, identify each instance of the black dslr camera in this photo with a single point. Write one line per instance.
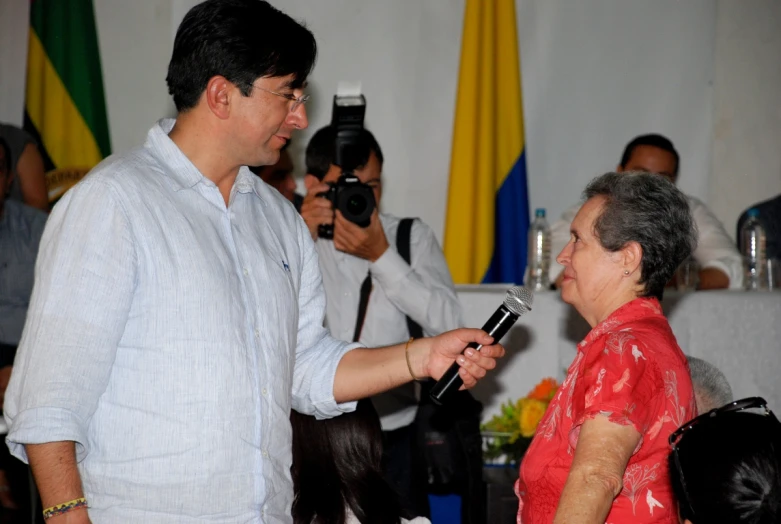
(349, 195)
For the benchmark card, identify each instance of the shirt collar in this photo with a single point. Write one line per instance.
(629, 312)
(181, 172)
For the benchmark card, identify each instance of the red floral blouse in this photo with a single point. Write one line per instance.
(630, 369)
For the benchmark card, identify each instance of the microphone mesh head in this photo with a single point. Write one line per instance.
(519, 300)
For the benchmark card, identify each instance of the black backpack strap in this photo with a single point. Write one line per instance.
(363, 303)
(403, 240)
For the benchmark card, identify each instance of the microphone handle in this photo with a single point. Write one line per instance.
(497, 326)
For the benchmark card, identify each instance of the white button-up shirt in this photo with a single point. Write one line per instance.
(423, 290)
(167, 335)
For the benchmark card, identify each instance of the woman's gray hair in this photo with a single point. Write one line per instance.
(647, 209)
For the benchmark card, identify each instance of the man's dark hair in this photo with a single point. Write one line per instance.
(652, 140)
(337, 464)
(730, 465)
(7, 156)
(650, 210)
(321, 151)
(242, 40)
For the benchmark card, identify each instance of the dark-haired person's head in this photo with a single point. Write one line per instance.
(5, 172)
(242, 66)
(627, 239)
(337, 464)
(652, 154)
(728, 470)
(321, 159)
(279, 175)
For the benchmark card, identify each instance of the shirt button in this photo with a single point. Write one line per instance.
(257, 333)
(264, 392)
(265, 453)
(246, 271)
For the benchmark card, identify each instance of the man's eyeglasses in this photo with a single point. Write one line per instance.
(732, 407)
(297, 101)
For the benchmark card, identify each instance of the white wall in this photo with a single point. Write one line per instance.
(14, 16)
(595, 73)
(746, 153)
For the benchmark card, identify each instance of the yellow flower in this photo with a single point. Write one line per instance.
(531, 412)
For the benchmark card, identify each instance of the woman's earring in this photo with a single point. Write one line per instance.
(626, 272)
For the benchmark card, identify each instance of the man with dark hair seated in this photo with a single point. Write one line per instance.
(725, 465)
(720, 263)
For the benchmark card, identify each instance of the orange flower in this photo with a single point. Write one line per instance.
(544, 390)
(531, 412)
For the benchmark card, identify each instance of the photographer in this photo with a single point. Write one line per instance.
(364, 261)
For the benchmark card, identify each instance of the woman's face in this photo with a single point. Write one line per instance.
(592, 275)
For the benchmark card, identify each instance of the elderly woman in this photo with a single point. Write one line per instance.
(600, 451)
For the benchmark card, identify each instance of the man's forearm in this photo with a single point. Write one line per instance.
(364, 372)
(55, 472)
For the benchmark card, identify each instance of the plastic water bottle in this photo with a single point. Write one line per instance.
(539, 253)
(753, 247)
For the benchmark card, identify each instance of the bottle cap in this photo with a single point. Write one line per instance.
(539, 212)
(753, 212)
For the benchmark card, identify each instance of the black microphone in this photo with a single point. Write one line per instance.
(517, 301)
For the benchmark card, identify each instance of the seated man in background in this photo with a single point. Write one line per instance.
(364, 261)
(280, 177)
(711, 388)
(720, 263)
(770, 217)
(21, 227)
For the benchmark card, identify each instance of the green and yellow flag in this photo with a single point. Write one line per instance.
(65, 107)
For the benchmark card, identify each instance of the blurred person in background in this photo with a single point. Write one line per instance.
(711, 388)
(29, 184)
(721, 265)
(280, 176)
(725, 465)
(21, 227)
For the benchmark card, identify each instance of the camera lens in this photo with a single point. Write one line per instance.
(356, 204)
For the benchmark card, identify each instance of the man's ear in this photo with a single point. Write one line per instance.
(218, 96)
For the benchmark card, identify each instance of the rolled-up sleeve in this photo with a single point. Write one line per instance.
(715, 249)
(84, 280)
(317, 353)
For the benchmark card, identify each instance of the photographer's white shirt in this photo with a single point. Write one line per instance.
(424, 291)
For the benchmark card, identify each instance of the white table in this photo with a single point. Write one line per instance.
(738, 332)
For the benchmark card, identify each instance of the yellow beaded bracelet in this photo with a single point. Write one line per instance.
(65, 507)
(409, 365)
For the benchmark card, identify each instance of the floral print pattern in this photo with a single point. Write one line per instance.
(630, 369)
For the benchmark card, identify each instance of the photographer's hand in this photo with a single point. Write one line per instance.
(369, 242)
(316, 210)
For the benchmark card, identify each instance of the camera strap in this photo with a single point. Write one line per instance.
(403, 247)
(363, 303)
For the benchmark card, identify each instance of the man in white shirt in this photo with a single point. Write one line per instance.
(177, 311)
(720, 263)
(422, 290)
